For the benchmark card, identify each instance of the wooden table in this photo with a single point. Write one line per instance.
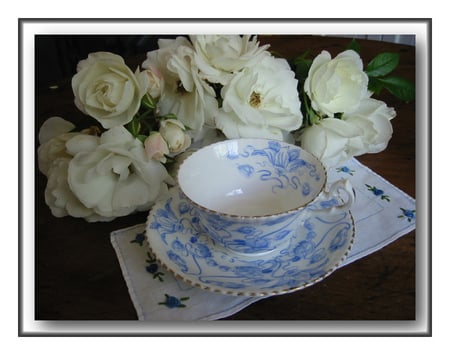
(78, 275)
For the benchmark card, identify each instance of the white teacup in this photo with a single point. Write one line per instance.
(251, 194)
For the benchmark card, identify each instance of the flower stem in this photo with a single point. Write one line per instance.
(311, 115)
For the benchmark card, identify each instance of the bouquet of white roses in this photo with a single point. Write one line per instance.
(197, 89)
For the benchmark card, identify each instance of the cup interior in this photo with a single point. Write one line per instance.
(251, 177)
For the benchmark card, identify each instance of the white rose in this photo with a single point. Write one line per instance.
(53, 127)
(332, 141)
(219, 56)
(116, 178)
(366, 130)
(373, 117)
(60, 198)
(261, 102)
(336, 85)
(173, 132)
(107, 90)
(53, 149)
(185, 93)
(53, 135)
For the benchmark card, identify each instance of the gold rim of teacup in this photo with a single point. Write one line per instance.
(236, 216)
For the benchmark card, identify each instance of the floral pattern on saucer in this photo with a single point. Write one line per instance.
(318, 247)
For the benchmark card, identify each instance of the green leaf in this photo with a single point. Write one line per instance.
(354, 46)
(148, 102)
(276, 54)
(134, 127)
(302, 68)
(169, 116)
(382, 64)
(141, 137)
(375, 85)
(301, 65)
(399, 87)
(302, 56)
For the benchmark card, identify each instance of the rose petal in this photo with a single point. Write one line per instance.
(53, 127)
(82, 143)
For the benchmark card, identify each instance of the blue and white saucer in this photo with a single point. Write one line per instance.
(317, 249)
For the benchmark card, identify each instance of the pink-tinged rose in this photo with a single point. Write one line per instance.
(153, 81)
(156, 147)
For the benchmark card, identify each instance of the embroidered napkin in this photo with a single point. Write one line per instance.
(158, 295)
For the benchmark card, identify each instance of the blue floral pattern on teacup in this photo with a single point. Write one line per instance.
(282, 166)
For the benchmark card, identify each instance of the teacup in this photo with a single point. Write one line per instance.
(251, 194)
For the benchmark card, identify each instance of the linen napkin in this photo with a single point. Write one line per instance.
(158, 295)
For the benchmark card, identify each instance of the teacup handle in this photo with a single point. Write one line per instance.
(329, 199)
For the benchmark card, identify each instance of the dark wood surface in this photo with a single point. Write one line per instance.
(78, 275)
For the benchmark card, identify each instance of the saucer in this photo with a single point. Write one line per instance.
(317, 248)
